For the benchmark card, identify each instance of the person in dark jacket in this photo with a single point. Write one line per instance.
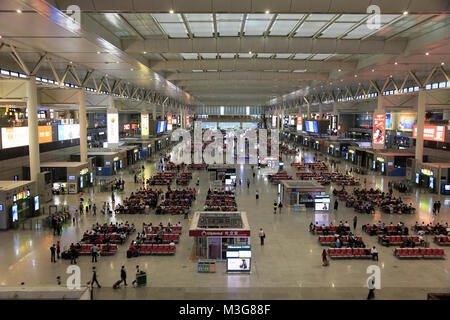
(123, 275)
(336, 205)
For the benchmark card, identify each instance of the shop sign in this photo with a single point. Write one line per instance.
(21, 195)
(380, 159)
(431, 133)
(299, 123)
(116, 159)
(427, 172)
(84, 171)
(219, 233)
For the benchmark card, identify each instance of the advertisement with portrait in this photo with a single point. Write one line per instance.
(169, 122)
(379, 133)
(113, 127)
(406, 121)
(144, 124)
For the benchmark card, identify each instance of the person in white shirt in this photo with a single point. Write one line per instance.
(262, 235)
(374, 253)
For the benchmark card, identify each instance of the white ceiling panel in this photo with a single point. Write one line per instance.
(359, 32)
(227, 55)
(255, 27)
(282, 27)
(229, 28)
(321, 56)
(290, 16)
(308, 29)
(386, 18)
(176, 30)
(259, 16)
(336, 29)
(208, 55)
(167, 17)
(302, 55)
(245, 55)
(189, 56)
(202, 29)
(199, 17)
(283, 55)
(351, 17)
(232, 17)
(320, 17)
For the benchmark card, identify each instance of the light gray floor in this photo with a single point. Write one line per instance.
(287, 267)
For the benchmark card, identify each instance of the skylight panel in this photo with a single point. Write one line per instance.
(308, 29)
(336, 29)
(167, 17)
(255, 27)
(282, 27)
(199, 17)
(229, 28)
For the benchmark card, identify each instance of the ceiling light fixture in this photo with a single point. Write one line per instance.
(98, 52)
(339, 70)
(373, 70)
(396, 63)
(131, 69)
(356, 76)
(249, 52)
(267, 11)
(145, 52)
(405, 13)
(427, 53)
(442, 63)
(19, 11)
(117, 62)
(171, 11)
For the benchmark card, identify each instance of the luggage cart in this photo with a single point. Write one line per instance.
(141, 280)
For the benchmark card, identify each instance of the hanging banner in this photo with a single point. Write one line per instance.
(169, 122)
(431, 133)
(299, 123)
(379, 121)
(113, 127)
(144, 124)
(274, 121)
(188, 121)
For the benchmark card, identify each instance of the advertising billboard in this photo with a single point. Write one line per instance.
(229, 125)
(169, 122)
(274, 121)
(311, 126)
(406, 121)
(249, 125)
(388, 123)
(299, 123)
(68, 131)
(113, 127)
(188, 121)
(14, 137)
(431, 133)
(161, 126)
(378, 139)
(45, 134)
(144, 124)
(209, 125)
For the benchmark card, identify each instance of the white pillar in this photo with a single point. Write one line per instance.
(112, 117)
(320, 111)
(154, 112)
(308, 110)
(420, 124)
(163, 116)
(83, 124)
(33, 134)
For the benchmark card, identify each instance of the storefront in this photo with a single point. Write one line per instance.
(213, 232)
(69, 177)
(18, 202)
(300, 193)
(434, 177)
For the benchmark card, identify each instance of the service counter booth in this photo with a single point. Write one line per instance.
(214, 231)
(145, 146)
(18, 201)
(391, 163)
(300, 193)
(69, 177)
(106, 163)
(433, 177)
(222, 173)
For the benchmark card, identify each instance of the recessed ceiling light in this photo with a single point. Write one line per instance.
(0, 37)
(131, 69)
(249, 52)
(70, 62)
(356, 76)
(390, 76)
(342, 80)
(171, 11)
(19, 11)
(145, 52)
(98, 52)
(373, 70)
(427, 53)
(442, 63)
(267, 11)
(339, 70)
(117, 61)
(405, 13)
(396, 63)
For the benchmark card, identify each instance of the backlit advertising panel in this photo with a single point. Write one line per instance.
(406, 121)
(68, 131)
(14, 137)
(144, 124)
(188, 121)
(169, 122)
(45, 134)
(113, 127)
(431, 133)
(379, 121)
(299, 123)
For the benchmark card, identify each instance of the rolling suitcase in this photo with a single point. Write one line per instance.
(129, 254)
(117, 284)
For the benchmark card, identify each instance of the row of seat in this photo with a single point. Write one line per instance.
(399, 239)
(349, 253)
(152, 229)
(419, 253)
(168, 237)
(327, 240)
(442, 240)
(104, 249)
(320, 229)
(148, 249)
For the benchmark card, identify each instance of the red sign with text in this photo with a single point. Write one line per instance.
(379, 121)
(299, 123)
(219, 233)
(188, 121)
(431, 133)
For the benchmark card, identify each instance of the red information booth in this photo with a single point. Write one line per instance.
(214, 231)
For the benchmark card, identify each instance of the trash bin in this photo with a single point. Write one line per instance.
(141, 280)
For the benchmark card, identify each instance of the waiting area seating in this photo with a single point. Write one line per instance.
(154, 229)
(350, 253)
(419, 253)
(398, 240)
(442, 240)
(329, 240)
(156, 249)
(330, 229)
(105, 249)
(165, 238)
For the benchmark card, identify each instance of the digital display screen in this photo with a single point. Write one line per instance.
(68, 131)
(417, 178)
(388, 121)
(72, 178)
(126, 127)
(431, 183)
(446, 188)
(249, 125)
(209, 125)
(161, 126)
(406, 121)
(229, 125)
(36, 203)
(15, 214)
(14, 137)
(238, 264)
(322, 203)
(311, 126)
(1, 207)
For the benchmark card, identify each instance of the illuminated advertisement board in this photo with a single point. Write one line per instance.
(431, 133)
(274, 121)
(388, 124)
(209, 125)
(406, 121)
(378, 139)
(113, 127)
(126, 127)
(299, 123)
(68, 131)
(229, 125)
(249, 125)
(162, 126)
(169, 122)
(45, 134)
(188, 121)
(144, 124)
(14, 137)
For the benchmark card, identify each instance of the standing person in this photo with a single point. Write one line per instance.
(438, 207)
(336, 204)
(374, 253)
(81, 207)
(248, 183)
(94, 209)
(123, 275)
(324, 258)
(87, 209)
(257, 195)
(58, 249)
(58, 228)
(355, 221)
(90, 204)
(94, 278)
(53, 251)
(262, 235)
(94, 251)
(135, 178)
(275, 207)
(371, 286)
(73, 254)
(76, 215)
(112, 197)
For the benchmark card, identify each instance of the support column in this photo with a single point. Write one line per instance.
(420, 124)
(33, 134)
(163, 115)
(154, 112)
(83, 124)
(320, 111)
(112, 118)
